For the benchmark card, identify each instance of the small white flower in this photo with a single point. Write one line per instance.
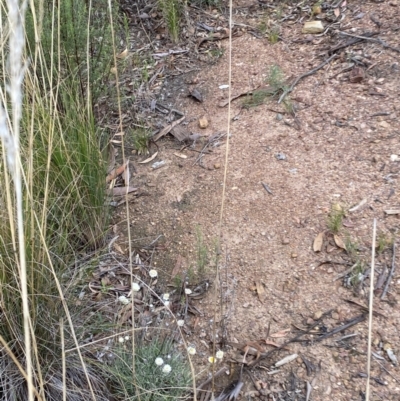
(211, 359)
(166, 303)
(123, 299)
(219, 354)
(159, 361)
(166, 369)
(121, 339)
(181, 323)
(191, 350)
(165, 297)
(153, 273)
(127, 338)
(188, 291)
(135, 287)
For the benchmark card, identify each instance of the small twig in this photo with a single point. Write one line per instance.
(389, 279)
(306, 74)
(266, 187)
(371, 305)
(378, 40)
(351, 323)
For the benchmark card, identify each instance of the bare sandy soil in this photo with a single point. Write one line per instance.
(340, 149)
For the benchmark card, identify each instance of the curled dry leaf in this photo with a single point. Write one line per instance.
(116, 172)
(123, 54)
(318, 242)
(339, 242)
(149, 159)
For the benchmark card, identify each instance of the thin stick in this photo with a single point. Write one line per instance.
(389, 279)
(63, 361)
(379, 41)
(371, 305)
(306, 74)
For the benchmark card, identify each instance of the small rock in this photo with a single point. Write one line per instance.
(331, 139)
(246, 305)
(380, 81)
(279, 117)
(394, 158)
(313, 27)
(384, 124)
(293, 255)
(217, 166)
(203, 122)
(310, 321)
(317, 315)
(387, 346)
(335, 316)
(285, 241)
(393, 3)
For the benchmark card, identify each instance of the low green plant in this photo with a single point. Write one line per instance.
(256, 98)
(276, 79)
(335, 219)
(167, 379)
(171, 10)
(357, 274)
(141, 140)
(384, 242)
(273, 35)
(351, 248)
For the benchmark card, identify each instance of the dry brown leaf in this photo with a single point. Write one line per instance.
(121, 191)
(116, 172)
(339, 242)
(180, 155)
(126, 174)
(279, 334)
(260, 291)
(123, 54)
(152, 157)
(318, 242)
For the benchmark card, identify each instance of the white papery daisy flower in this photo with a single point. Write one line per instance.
(188, 291)
(180, 323)
(166, 303)
(219, 354)
(123, 299)
(191, 350)
(127, 338)
(159, 361)
(135, 287)
(121, 339)
(153, 273)
(165, 297)
(166, 369)
(211, 359)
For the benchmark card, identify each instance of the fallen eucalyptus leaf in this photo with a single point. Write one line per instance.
(318, 242)
(339, 242)
(286, 360)
(149, 159)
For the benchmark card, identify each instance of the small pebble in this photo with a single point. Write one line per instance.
(217, 166)
(285, 241)
(317, 315)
